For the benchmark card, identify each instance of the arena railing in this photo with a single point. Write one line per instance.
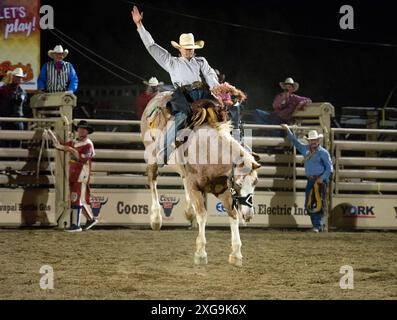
(119, 161)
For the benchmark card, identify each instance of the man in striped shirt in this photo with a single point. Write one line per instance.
(57, 75)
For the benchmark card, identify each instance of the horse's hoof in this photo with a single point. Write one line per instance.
(235, 261)
(156, 226)
(200, 260)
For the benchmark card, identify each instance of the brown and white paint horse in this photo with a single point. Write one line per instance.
(205, 163)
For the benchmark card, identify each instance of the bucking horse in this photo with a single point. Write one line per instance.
(210, 161)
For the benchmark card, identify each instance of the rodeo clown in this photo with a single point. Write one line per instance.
(318, 169)
(82, 151)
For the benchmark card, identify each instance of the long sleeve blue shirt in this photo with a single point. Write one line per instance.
(320, 164)
(73, 79)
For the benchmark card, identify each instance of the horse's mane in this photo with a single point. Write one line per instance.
(227, 126)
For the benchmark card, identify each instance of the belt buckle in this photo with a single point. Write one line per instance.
(196, 85)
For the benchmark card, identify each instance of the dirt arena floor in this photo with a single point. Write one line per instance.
(144, 264)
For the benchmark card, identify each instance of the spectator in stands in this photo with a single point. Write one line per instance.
(12, 100)
(284, 105)
(318, 169)
(152, 88)
(234, 109)
(57, 75)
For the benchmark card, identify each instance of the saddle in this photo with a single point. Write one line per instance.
(216, 111)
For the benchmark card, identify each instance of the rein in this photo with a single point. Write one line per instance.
(244, 201)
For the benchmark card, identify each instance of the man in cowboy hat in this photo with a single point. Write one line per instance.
(82, 151)
(318, 169)
(57, 75)
(12, 100)
(152, 88)
(188, 74)
(284, 104)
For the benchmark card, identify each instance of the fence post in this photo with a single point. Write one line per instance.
(372, 123)
(58, 105)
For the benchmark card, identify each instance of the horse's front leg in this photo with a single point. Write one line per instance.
(235, 258)
(197, 199)
(155, 216)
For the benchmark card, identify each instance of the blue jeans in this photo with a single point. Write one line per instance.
(264, 117)
(176, 124)
(316, 218)
(180, 108)
(197, 94)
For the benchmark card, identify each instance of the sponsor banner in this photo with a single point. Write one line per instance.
(133, 206)
(27, 207)
(20, 39)
(37, 207)
(217, 215)
(271, 210)
(364, 212)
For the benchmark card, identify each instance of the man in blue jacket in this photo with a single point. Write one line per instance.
(318, 169)
(57, 75)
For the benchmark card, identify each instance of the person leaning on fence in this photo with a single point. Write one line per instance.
(57, 75)
(12, 100)
(318, 169)
(152, 88)
(82, 151)
(284, 105)
(187, 74)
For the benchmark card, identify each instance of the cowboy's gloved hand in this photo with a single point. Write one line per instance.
(284, 126)
(320, 180)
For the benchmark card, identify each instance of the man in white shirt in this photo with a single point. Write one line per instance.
(187, 72)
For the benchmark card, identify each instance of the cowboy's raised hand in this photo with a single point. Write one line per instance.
(137, 16)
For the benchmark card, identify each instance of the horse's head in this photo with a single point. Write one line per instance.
(244, 181)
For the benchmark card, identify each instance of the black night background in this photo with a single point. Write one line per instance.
(252, 57)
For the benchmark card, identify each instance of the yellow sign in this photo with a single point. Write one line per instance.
(20, 39)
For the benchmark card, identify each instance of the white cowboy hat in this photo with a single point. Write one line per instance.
(313, 135)
(186, 41)
(58, 49)
(291, 82)
(153, 82)
(18, 72)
